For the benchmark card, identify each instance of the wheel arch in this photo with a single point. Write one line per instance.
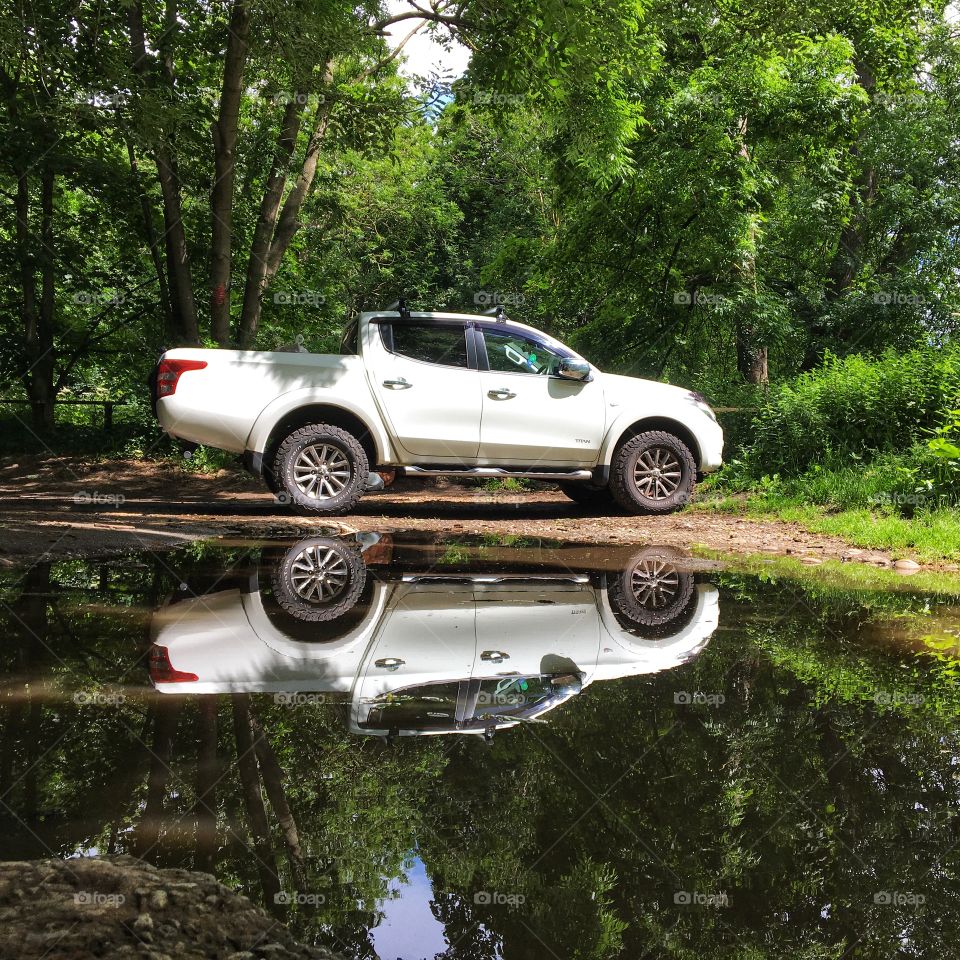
(620, 434)
(269, 432)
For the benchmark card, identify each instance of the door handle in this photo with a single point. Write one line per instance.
(494, 656)
(400, 382)
(502, 394)
(389, 663)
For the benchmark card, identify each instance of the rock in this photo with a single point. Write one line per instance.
(906, 565)
(811, 561)
(159, 899)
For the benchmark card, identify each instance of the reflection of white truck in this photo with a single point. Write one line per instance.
(440, 394)
(430, 652)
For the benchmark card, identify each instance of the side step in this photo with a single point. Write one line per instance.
(487, 472)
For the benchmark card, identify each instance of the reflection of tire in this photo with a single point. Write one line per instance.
(651, 597)
(319, 579)
(587, 495)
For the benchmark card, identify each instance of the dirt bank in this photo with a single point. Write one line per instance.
(82, 909)
(61, 506)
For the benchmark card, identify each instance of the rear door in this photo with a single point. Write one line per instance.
(428, 388)
(428, 636)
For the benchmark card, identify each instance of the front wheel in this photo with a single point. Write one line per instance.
(653, 472)
(321, 469)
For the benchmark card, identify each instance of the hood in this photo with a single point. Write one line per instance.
(629, 388)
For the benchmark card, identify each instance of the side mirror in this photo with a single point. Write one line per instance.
(570, 369)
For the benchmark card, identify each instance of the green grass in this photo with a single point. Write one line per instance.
(875, 505)
(926, 536)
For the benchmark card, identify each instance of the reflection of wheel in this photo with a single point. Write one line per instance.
(319, 579)
(653, 472)
(587, 495)
(651, 596)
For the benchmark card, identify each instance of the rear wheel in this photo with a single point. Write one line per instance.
(587, 495)
(653, 472)
(321, 469)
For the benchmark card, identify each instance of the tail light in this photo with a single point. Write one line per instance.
(169, 372)
(163, 671)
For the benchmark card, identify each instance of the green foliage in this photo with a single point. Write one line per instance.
(854, 406)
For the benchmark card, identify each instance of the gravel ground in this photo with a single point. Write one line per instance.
(59, 506)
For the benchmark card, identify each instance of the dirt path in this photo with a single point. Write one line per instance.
(67, 507)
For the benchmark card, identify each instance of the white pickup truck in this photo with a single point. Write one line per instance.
(438, 394)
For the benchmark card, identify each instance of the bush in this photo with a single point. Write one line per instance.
(857, 407)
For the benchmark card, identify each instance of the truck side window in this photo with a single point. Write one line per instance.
(442, 343)
(509, 351)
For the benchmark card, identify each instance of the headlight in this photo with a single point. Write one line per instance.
(700, 402)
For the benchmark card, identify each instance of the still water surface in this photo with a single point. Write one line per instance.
(409, 748)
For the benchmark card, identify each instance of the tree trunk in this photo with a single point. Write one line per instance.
(253, 801)
(221, 198)
(260, 247)
(846, 262)
(146, 835)
(751, 357)
(273, 781)
(751, 353)
(40, 348)
(150, 234)
(183, 306)
(289, 221)
(208, 772)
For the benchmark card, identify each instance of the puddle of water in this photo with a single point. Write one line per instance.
(489, 749)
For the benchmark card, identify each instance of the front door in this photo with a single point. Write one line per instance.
(531, 417)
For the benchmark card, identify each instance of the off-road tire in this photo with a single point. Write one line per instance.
(289, 458)
(652, 444)
(653, 613)
(288, 572)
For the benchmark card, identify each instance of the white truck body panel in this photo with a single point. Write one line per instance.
(424, 413)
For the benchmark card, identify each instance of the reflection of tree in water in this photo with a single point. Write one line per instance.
(801, 797)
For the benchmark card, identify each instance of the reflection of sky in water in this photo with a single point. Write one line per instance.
(409, 930)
